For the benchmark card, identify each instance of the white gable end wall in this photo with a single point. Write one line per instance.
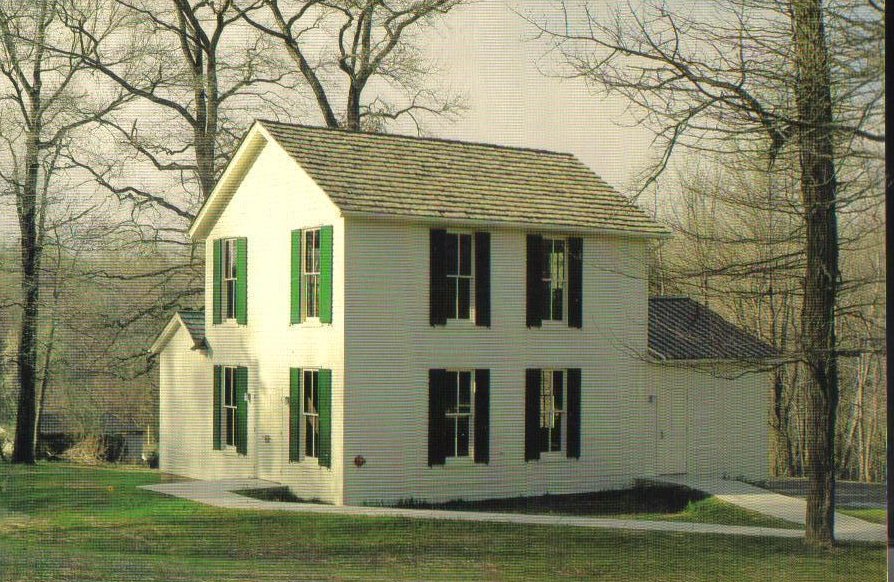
(275, 197)
(391, 347)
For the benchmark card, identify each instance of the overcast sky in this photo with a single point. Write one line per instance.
(487, 52)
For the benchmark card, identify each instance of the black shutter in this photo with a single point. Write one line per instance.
(534, 280)
(438, 298)
(575, 282)
(482, 416)
(482, 279)
(573, 412)
(437, 410)
(532, 414)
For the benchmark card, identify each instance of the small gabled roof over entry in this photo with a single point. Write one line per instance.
(682, 329)
(425, 179)
(192, 320)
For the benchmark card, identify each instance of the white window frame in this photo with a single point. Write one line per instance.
(549, 413)
(229, 408)
(229, 277)
(457, 276)
(551, 243)
(310, 272)
(456, 416)
(309, 416)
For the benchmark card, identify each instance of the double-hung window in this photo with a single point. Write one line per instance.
(553, 279)
(229, 407)
(459, 275)
(552, 409)
(311, 273)
(229, 278)
(311, 412)
(552, 412)
(459, 413)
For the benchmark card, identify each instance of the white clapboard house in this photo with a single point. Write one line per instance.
(394, 318)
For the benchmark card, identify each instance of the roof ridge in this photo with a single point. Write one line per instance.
(417, 138)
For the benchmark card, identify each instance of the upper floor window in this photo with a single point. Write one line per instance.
(460, 277)
(229, 278)
(311, 273)
(311, 276)
(230, 284)
(553, 279)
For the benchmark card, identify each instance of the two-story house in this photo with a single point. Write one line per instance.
(391, 317)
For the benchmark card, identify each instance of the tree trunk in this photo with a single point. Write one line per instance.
(352, 122)
(26, 428)
(818, 188)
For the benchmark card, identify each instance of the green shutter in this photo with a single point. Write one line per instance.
(217, 257)
(296, 277)
(294, 414)
(324, 391)
(215, 406)
(241, 281)
(326, 274)
(241, 411)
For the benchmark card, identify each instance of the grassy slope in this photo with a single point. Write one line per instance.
(60, 522)
(870, 515)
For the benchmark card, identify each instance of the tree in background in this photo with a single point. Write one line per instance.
(343, 48)
(45, 101)
(756, 78)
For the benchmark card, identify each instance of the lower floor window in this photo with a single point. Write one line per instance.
(552, 409)
(459, 413)
(311, 414)
(229, 407)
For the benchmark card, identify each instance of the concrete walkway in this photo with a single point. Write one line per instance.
(220, 494)
(785, 507)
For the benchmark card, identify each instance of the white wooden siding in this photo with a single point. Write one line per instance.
(274, 198)
(727, 414)
(390, 347)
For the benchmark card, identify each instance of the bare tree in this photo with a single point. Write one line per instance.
(364, 41)
(45, 100)
(756, 77)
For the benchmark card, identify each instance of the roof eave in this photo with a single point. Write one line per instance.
(469, 222)
(166, 334)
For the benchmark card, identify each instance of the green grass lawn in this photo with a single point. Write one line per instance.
(64, 522)
(647, 502)
(869, 514)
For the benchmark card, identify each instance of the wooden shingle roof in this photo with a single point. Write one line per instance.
(682, 329)
(401, 176)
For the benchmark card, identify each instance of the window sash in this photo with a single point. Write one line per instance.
(310, 411)
(229, 406)
(554, 278)
(459, 413)
(229, 277)
(552, 409)
(460, 275)
(311, 260)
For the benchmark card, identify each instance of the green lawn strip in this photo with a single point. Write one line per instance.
(869, 514)
(133, 534)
